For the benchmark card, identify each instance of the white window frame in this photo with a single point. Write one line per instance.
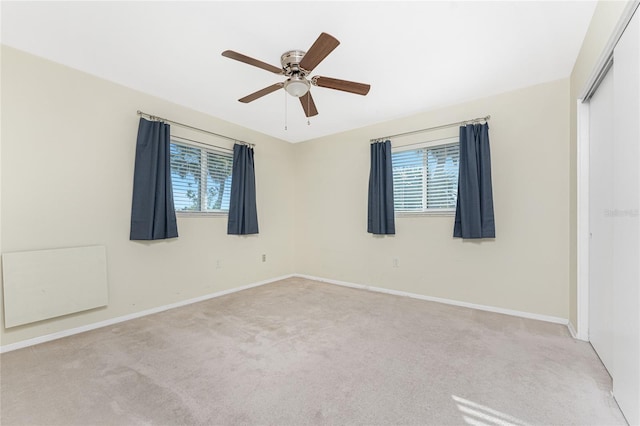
(422, 145)
(204, 148)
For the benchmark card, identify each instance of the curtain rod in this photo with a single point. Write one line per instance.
(186, 126)
(444, 126)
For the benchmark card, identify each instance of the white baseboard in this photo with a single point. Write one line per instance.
(547, 318)
(572, 330)
(111, 321)
(576, 335)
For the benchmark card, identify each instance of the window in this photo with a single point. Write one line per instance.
(425, 179)
(201, 178)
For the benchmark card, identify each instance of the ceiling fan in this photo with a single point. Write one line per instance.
(296, 66)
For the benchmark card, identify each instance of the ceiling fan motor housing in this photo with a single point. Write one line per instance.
(291, 62)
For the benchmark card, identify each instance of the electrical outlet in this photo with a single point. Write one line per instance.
(264, 257)
(396, 263)
(218, 264)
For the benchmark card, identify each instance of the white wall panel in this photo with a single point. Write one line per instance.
(44, 284)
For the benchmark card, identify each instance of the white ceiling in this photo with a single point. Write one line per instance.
(417, 56)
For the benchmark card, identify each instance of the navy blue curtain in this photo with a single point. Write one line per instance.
(380, 213)
(474, 208)
(243, 215)
(153, 216)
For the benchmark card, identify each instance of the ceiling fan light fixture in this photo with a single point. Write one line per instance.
(296, 86)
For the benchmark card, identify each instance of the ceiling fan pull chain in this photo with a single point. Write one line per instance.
(308, 108)
(285, 110)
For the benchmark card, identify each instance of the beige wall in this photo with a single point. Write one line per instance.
(526, 268)
(68, 145)
(605, 17)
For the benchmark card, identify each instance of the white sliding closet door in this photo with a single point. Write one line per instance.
(626, 222)
(614, 221)
(601, 183)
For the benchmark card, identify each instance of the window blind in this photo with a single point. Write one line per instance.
(426, 179)
(201, 178)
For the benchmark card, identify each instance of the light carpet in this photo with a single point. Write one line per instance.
(299, 352)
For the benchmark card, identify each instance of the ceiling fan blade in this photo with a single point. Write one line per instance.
(318, 51)
(344, 85)
(260, 93)
(308, 105)
(247, 60)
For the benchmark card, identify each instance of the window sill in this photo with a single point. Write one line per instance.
(201, 214)
(428, 213)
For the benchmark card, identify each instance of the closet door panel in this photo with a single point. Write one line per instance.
(626, 222)
(601, 142)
